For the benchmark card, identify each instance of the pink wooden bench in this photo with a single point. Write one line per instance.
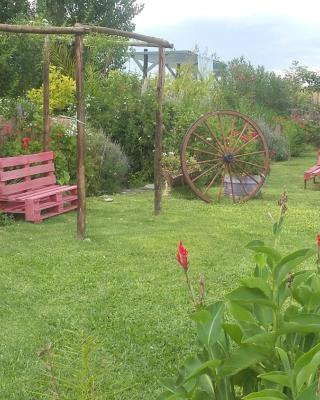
(312, 172)
(28, 186)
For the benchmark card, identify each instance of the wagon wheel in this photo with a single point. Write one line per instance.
(225, 152)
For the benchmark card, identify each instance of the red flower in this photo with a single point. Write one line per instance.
(318, 239)
(182, 256)
(253, 134)
(244, 138)
(25, 142)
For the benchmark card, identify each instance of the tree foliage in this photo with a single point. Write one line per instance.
(10, 10)
(20, 63)
(111, 13)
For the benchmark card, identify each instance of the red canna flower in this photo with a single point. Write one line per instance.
(182, 256)
(318, 240)
(25, 142)
(244, 138)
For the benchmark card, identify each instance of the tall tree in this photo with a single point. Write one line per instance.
(11, 9)
(112, 13)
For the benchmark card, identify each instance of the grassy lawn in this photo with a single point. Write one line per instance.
(120, 293)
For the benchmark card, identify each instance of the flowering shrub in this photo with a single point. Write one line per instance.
(62, 91)
(263, 341)
(171, 163)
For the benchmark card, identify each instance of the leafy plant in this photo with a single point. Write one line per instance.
(6, 219)
(262, 342)
(62, 91)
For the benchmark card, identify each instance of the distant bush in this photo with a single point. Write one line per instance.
(278, 143)
(294, 131)
(108, 164)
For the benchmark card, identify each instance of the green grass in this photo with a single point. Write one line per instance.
(122, 289)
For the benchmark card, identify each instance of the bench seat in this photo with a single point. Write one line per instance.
(28, 186)
(312, 172)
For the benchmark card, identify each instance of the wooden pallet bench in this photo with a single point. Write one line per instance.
(312, 172)
(28, 186)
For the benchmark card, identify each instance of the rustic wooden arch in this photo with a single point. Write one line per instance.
(79, 30)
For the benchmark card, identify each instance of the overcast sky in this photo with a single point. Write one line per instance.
(272, 33)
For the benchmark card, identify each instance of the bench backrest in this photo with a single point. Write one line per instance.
(26, 172)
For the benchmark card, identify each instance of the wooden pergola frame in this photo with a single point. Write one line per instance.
(79, 30)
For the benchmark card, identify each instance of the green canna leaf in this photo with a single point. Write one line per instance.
(290, 262)
(247, 355)
(279, 377)
(234, 331)
(241, 312)
(209, 323)
(258, 283)
(249, 295)
(267, 394)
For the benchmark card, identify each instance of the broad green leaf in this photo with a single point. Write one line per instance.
(277, 377)
(273, 256)
(245, 356)
(258, 283)
(170, 385)
(201, 368)
(306, 366)
(241, 313)
(261, 261)
(307, 292)
(267, 394)
(172, 396)
(250, 296)
(305, 359)
(250, 330)
(205, 384)
(290, 262)
(285, 361)
(283, 292)
(209, 323)
(254, 243)
(234, 331)
(263, 339)
(263, 314)
(301, 323)
(309, 393)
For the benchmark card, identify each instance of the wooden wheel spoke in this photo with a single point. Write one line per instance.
(231, 181)
(206, 142)
(202, 174)
(201, 150)
(247, 174)
(208, 161)
(220, 145)
(244, 145)
(213, 179)
(249, 154)
(222, 130)
(250, 163)
(222, 185)
(232, 126)
(245, 127)
(241, 183)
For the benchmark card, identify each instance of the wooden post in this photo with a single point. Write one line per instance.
(81, 180)
(46, 122)
(145, 64)
(159, 134)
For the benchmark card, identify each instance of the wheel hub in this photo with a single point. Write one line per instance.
(228, 158)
